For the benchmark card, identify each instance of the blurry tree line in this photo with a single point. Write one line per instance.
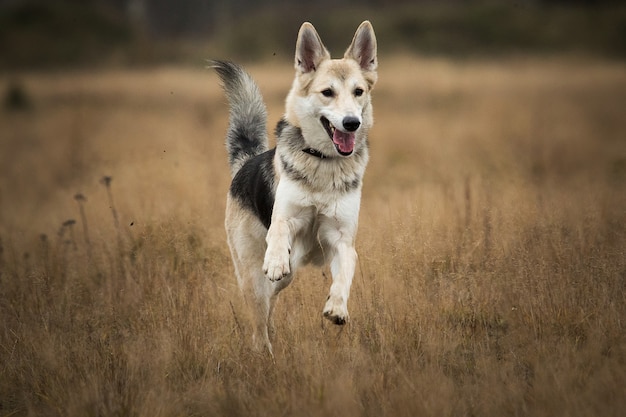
(78, 32)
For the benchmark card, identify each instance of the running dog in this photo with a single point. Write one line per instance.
(298, 203)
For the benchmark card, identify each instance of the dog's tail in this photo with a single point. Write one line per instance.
(247, 134)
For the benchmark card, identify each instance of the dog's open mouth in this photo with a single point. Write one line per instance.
(344, 141)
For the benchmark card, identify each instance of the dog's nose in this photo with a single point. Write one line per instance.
(351, 123)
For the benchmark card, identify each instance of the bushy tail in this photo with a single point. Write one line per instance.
(247, 133)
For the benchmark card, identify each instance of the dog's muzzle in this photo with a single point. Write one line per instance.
(343, 141)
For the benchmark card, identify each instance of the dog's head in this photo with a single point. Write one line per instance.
(330, 98)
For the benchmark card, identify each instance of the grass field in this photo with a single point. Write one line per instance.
(492, 270)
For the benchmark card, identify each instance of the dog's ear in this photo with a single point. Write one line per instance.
(363, 47)
(310, 50)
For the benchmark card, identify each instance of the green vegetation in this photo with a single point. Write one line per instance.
(53, 34)
(60, 34)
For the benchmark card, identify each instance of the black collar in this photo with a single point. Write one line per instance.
(283, 125)
(315, 153)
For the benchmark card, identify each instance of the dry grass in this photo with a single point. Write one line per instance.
(491, 278)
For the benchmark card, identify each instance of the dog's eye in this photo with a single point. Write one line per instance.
(328, 92)
(358, 92)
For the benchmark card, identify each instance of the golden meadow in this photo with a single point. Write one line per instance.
(491, 275)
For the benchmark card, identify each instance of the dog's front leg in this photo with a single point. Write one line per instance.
(276, 264)
(338, 232)
(284, 226)
(342, 267)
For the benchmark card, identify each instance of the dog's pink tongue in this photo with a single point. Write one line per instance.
(344, 141)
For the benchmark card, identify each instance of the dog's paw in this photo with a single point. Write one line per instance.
(336, 311)
(276, 266)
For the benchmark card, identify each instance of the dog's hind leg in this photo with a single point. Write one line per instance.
(258, 293)
(246, 240)
(259, 299)
(262, 298)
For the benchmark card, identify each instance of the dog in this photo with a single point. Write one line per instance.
(298, 203)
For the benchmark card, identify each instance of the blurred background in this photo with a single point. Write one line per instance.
(62, 33)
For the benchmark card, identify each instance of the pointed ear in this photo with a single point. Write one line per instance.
(310, 50)
(363, 47)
